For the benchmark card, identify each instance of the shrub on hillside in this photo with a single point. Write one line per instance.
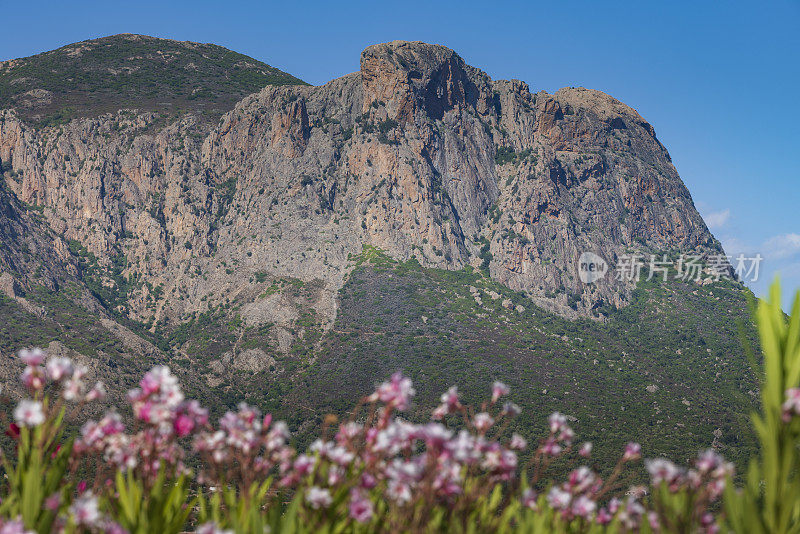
(375, 472)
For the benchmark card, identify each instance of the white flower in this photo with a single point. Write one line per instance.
(73, 389)
(85, 510)
(59, 368)
(558, 498)
(662, 470)
(482, 421)
(318, 497)
(557, 422)
(29, 413)
(211, 528)
(14, 527)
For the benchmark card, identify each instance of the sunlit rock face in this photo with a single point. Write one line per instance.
(418, 154)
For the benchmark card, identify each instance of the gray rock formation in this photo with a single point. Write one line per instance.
(418, 154)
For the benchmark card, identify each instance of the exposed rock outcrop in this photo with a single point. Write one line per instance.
(418, 154)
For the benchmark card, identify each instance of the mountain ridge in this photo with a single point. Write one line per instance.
(229, 245)
(95, 76)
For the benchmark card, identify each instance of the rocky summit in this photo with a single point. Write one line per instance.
(166, 222)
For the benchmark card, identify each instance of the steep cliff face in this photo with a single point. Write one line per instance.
(417, 154)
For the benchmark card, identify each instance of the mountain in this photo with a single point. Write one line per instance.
(316, 238)
(93, 77)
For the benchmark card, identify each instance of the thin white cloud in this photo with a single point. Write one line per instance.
(717, 219)
(734, 246)
(781, 255)
(782, 246)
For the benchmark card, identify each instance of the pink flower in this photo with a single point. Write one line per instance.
(341, 456)
(435, 435)
(335, 475)
(29, 413)
(33, 378)
(631, 514)
(32, 357)
(150, 382)
(73, 389)
(551, 447)
(368, 481)
(708, 522)
(518, 443)
(450, 403)
(500, 462)
(566, 435)
(586, 450)
(662, 470)
(348, 432)
(14, 527)
(110, 527)
(465, 448)
(266, 421)
(708, 460)
(791, 405)
(604, 517)
(633, 451)
(53, 502)
(581, 479)
(398, 491)
(529, 499)
(318, 497)
(396, 393)
(360, 506)
(93, 433)
(304, 464)
(511, 409)
(183, 425)
(142, 411)
(498, 390)
(557, 422)
(97, 392)
(583, 506)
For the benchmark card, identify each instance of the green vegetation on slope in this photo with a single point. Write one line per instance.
(132, 71)
(70, 324)
(668, 370)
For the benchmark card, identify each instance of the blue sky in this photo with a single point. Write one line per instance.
(718, 80)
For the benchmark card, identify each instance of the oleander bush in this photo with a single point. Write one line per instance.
(162, 466)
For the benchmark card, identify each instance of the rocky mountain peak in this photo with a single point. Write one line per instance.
(419, 155)
(412, 76)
